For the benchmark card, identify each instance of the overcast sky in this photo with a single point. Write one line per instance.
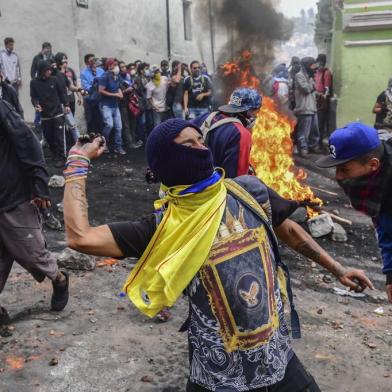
(293, 7)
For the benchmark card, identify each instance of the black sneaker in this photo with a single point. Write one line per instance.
(60, 294)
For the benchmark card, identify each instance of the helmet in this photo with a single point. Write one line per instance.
(242, 100)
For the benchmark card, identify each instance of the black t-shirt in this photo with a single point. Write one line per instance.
(133, 237)
(196, 86)
(380, 117)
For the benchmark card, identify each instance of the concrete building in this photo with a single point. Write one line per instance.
(127, 29)
(358, 39)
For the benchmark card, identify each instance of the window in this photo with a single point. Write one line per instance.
(186, 6)
(82, 3)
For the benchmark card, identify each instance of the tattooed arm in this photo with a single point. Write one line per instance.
(81, 236)
(299, 240)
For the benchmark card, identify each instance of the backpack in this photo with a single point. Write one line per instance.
(208, 126)
(283, 273)
(283, 276)
(134, 105)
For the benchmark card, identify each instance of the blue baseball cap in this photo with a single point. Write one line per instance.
(348, 143)
(242, 100)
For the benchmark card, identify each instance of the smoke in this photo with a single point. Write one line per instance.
(247, 25)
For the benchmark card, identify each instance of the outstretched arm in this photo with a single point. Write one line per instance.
(299, 240)
(81, 236)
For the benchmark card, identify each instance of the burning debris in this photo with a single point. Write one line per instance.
(272, 149)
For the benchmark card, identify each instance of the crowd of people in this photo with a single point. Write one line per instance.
(213, 233)
(123, 101)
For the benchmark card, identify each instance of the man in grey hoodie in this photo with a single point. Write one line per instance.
(307, 134)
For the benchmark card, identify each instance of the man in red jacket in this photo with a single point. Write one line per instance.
(227, 132)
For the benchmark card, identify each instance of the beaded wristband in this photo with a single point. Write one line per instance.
(76, 167)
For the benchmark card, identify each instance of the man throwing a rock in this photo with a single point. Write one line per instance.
(214, 238)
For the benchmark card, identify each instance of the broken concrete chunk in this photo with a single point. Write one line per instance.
(57, 181)
(299, 215)
(73, 260)
(338, 233)
(320, 225)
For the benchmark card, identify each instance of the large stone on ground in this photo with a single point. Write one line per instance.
(320, 225)
(70, 259)
(338, 233)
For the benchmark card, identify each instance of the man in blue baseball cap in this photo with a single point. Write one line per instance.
(364, 170)
(227, 132)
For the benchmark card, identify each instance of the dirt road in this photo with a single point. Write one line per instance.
(101, 343)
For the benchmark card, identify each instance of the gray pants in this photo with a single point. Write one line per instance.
(22, 240)
(307, 133)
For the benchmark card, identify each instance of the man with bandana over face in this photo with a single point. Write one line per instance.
(213, 238)
(383, 107)
(362, 158)
(307, 132)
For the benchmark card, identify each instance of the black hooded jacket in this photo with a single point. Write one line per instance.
(23, 175)
(48, 93)
(9, 94)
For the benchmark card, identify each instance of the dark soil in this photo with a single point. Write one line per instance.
(100, 342)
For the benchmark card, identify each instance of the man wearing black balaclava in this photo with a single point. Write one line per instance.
(213, 238)
(307, 134)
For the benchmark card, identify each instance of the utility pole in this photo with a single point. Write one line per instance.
(212, 32)
(168, 30)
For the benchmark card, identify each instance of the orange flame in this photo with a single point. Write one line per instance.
(272, 146)
(15, 363)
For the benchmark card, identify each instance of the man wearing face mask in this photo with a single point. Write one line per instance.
(156, 96)
(10, 65)
(228, 131)
(110, 90)
(197, 92)
(307, 132)
(214, 240)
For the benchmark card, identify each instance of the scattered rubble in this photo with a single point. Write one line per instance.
(379, 311)
(57, 181)
(320, 225)
(347, 293)
(73, 260)
(338, 233)
(53, 362)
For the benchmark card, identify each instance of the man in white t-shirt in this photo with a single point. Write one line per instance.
(156, 94)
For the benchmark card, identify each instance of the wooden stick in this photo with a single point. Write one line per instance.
(337, 218)
(323, 190)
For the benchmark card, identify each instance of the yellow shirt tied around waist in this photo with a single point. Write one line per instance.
(179, 247)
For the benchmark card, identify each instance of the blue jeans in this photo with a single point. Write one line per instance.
(112, 119)
(196, 112)
(72, 126)
(178, 110)
(140, 134)
(307, 132)
(37, 119)
(384, 234)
